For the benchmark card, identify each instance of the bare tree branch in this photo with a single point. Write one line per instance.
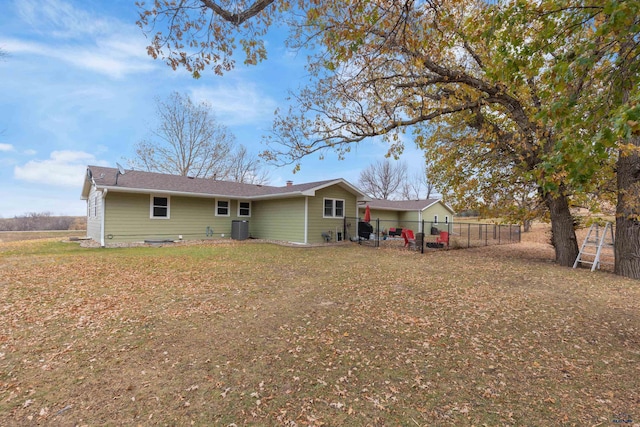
(237, 18)
(383, 179)
(188, 141)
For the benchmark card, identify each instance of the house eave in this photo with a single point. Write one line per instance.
(86, 189)
(199, 195)
(431, 204)
(273, 196)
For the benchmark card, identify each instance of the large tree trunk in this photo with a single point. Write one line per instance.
(563, 234)
(627, 245)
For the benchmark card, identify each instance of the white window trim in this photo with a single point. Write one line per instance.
(446, 219)
(168, 206)
(333, 207)
(239, 202)
(228, 207)
(435, 219)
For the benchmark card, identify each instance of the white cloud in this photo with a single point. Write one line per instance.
(85, 40)
(62, 169)
(60, 19)
(6, 147)
(109, 57)
(241, 103)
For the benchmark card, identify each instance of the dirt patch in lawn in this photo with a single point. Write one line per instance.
(261, 334)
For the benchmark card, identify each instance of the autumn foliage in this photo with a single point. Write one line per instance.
(542, 92)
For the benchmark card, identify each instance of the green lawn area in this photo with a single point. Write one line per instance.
(244, 333)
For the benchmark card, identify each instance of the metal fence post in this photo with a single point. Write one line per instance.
(344, 228)
(377, 232)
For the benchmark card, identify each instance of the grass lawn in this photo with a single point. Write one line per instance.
(260, 334)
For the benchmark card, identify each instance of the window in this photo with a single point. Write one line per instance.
(222, 208)
(159, 207)
(328, 207)
(244, 208)
(446, 219)
(333, 208)
(435, 219)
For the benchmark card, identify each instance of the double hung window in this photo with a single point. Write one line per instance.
(222, 207)
(333, 208)
(160, 207)
(244, 209)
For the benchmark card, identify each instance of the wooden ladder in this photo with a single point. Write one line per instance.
(598, 242)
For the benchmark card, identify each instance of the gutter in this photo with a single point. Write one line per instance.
(282, 195)
(207, 195)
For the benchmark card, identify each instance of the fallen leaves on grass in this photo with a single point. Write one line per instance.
(261, 334)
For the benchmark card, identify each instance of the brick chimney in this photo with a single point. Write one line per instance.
(289, 183)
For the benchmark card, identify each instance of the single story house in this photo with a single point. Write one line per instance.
(409, 214)
(134, 206)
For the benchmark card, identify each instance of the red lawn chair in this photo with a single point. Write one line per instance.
(444, 238)
(409, 239)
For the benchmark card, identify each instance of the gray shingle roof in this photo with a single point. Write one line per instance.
(140, 181)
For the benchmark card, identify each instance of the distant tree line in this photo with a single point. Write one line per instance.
(42, 221)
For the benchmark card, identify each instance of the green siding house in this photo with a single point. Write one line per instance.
(134, 206)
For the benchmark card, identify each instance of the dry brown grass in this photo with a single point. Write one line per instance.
(14, 236)
(259, 334)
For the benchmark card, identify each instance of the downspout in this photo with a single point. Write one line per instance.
(306, 219)
(357, 219)
(104, 196)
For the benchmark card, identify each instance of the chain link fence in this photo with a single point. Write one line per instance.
(426, 235)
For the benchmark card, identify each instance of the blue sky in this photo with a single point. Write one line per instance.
(78, 88)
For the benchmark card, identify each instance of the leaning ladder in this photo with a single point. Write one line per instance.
(597, 241)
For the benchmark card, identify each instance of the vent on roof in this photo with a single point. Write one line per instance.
(289, 183)
(191, 177)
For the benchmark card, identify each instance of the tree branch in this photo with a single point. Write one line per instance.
(237, 18)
